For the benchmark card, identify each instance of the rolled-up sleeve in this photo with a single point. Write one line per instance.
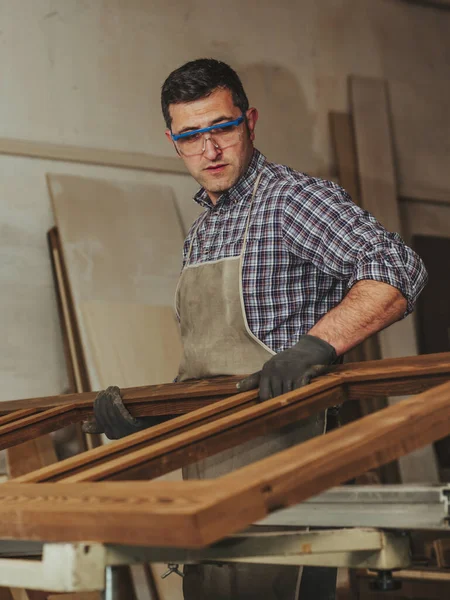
(323, 225)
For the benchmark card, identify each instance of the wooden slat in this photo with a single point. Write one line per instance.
(165, 398)
(379, 195)
(134, 451)
(197, 513)
(73, 350)
(397, 376)
(91, 156)
(143, 439)
(394, 376)
(209, 438)
(15, 415)
(34, 425)
(203, 441)
(341, 127)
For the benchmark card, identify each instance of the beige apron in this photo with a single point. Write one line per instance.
(217, 340)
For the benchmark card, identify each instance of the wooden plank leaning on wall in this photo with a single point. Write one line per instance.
(379, 195)
(343, 139)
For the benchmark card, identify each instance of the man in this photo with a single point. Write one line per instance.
(282, 274)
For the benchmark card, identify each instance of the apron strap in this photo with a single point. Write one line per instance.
(244, 244)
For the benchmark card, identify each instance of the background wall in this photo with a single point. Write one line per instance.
(89, 74)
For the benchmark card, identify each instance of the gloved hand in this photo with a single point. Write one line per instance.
(113, 419)
(292, 368)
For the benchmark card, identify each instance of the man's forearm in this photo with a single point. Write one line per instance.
(368, 307)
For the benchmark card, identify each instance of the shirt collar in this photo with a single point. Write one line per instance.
(240, 190)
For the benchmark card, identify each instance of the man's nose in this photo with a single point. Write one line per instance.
(211, 149)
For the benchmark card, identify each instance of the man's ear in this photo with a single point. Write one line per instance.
(252, 117)
(168, 134)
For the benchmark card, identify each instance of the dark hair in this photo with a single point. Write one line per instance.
(198, 79)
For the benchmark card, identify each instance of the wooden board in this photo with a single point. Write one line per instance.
(342, 135)
(193, 514)
(91, 156)
(122, 244)
(164, 398)
(241, 415)
(421, 143)
(397, 376)
(341, 128)
(379, 195)
(30, 456)
(122, 336)
(73, 350)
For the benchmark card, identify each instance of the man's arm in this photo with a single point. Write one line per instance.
(369, 307)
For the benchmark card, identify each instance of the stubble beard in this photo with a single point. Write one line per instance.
(221, 185)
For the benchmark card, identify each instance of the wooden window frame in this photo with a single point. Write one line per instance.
(97, 496)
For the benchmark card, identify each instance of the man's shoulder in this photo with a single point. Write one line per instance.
(285, 183)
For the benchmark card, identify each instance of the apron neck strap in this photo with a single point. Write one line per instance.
(255, 189)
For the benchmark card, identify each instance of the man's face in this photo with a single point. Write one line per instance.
(217, 170)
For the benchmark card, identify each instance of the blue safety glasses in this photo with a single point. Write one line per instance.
(222, 135)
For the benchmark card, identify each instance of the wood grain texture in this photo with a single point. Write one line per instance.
(30, 456)
(379, 195)
(371, 378)
(73, 350)
(341, 128)
(28, 428)
(197, 513)
(203, 441)
(203, 432)
(402, 375)
(163, 398)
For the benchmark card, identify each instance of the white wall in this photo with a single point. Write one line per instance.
(89, 74)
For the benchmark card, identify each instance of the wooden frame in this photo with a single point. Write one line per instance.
(62, 503)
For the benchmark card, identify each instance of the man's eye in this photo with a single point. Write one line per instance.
(227, 129)
(192, 138)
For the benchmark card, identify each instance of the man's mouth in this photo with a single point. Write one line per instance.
(216, 168)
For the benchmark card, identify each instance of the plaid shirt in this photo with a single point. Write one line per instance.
(307, 245)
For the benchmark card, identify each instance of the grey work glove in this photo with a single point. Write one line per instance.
(113, 419)
(292, 368)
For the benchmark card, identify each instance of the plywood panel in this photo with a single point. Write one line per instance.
(379, 195)
(122, 244)
(134, 343)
